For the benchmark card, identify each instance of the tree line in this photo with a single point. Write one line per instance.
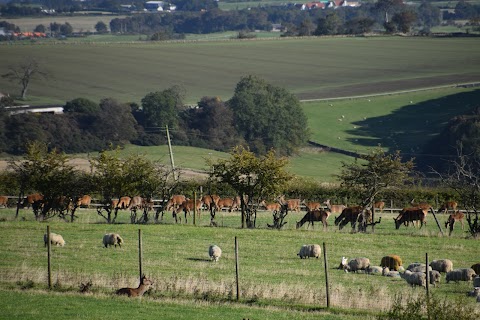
(205, 17)
(259, 115)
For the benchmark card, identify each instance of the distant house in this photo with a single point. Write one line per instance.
(154, 6)
(312, 5)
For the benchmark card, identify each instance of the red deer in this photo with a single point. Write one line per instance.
(114, 203)
(186, 206)
(379, 205)
(449, 205)
(312, 216)
(34, 198)
(270, 206)
(136, 292)
(292, 204)
(210, 201)
(84, 201)
(124, 202)
(311, 206)
(228, 203)
(334, 208)
(457, 216)
(135, 203)
(415, 214)
(175, 201)
(349, 214)
(4, 201)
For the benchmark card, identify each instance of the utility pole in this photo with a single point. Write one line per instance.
(171, 155)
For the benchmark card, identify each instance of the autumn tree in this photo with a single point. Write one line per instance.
(253, 178)
(375, 172)
(25, 73)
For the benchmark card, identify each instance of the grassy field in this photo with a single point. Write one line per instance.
(175, 256)
(310, 67)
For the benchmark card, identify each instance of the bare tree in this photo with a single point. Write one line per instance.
(24, 73)
(464, 179)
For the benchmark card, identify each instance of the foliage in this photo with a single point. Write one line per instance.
(114, 177)
(24, 73)
(101, 27)
(253, 178)
(211, 125)
(375, 172)
(49, 174)
(330, 25)
(161, 108)
(431, 307)
(81, 105)
(404, 20)
(268, 117)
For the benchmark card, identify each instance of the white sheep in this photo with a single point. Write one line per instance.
(343, 264)
(463, 274)
(112, 239)
(418, 267)
(310, 250)
(214, 252)
(374, 270)
(443, 265)
(387, 273)
(415, 278)
(55, 239)
(434, 277)
(358, 264)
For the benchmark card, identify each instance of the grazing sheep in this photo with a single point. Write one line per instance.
(358, 264)
(415, 278)
(55, 239)
(463, 274)
(112, 239)
(434, 277)
(343, 264)
(387, 273)
(476, 281)
(443, 265)
(392, 261)
(476, 268)
(310, 250)
(418, 267)
(214, 252)
(373, 270)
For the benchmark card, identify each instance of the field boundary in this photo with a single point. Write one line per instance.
(457, 85)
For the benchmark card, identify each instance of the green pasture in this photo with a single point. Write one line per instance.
(309, 67)
(271, 274)
(397, 121)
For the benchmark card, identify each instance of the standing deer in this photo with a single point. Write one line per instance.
(448, 205)
(334, 208)
(136, 292)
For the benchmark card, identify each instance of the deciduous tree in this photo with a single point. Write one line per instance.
(24, 73)
(252, 178)
(268, 117)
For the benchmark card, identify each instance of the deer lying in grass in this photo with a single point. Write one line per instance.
(136, 292)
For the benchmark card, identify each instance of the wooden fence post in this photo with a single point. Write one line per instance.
(49, 257)
(140, 266)
(237, 269)
(427, 273)
(326, 274)
(194, 207)
(436, 220)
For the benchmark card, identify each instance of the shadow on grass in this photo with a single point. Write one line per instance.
(199, 259)
(409, 128)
